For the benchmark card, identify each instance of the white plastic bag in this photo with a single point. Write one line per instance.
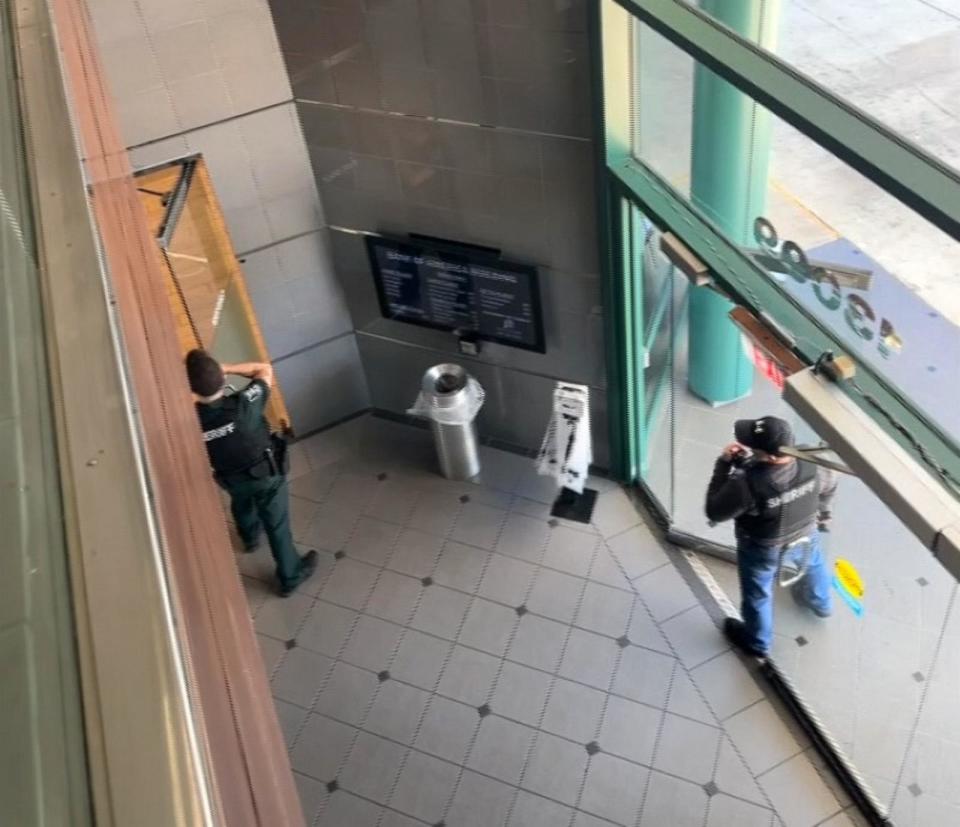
(459, 411)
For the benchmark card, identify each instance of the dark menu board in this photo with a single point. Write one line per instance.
(466, 290)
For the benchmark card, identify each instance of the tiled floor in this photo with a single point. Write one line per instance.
(463, 659)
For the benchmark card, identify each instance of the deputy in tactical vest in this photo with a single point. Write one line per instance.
(778, 506)
(248, 462)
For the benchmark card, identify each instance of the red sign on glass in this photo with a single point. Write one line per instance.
(768, 367)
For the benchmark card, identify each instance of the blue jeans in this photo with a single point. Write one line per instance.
(757, 566)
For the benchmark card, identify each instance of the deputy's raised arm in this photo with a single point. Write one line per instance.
(252, 370)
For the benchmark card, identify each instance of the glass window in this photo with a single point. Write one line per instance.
(878, 278)
(42, 749)
(894, 59)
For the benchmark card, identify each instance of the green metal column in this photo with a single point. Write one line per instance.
(731, 150)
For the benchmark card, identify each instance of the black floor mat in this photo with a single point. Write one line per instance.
(570, 505)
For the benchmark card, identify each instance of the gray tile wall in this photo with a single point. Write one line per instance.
(207, 76)
(469, 120)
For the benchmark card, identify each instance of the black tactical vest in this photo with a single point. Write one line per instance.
(781, 510)
(232, 444)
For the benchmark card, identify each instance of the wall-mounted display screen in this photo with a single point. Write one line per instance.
(464, 289)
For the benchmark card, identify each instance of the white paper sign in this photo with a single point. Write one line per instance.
(566, 452)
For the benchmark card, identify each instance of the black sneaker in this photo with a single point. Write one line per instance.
(308, 565)
(736, 632)
(799, 597)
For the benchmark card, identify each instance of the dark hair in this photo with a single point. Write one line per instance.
(204, 372)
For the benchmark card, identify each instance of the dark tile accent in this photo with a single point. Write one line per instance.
(382, 476)
(484, 710)
(339, 555)
(623, 641)
(427, 581)
(291, 644)
(521, 610)
(593, 748)
(383, 676)
(440, 824)
(711, 789)
(465, 498)
(915, 790)
(333, 786)
(918, 677)
(801, 640)
(553, 523)
(923, 581)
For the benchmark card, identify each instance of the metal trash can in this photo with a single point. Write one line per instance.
(451, 399)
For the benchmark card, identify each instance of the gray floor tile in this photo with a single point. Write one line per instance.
(574, 711)
(761, 737)
(300, 675)
(372, 767)
(644, 676)
(605, 610)
(345, 808)
(372, 643)
(589, 659)
(282, 618)
(330, 528)
(395, 597)
(272, 652)
(461, 567)
(532, 810)
(469, 676)
(313, 486)
(478, 525)
(502, 470)
(798, 793)
(327, 628)
(350, 584)
(638, 551)
(420, 659)
(583, 819)
(556, 769)
(397, 711)
(614, 513)
(501, 749)
(630, 730)
(672, 801)
(507, 580)
(727, 685)
(480, 802)
(523, 537)
(347, 694)
(732, 775)
(725, 811)
(257, 593)
(685, 698)
(687, 748)
(694, 636)
(556, 595)
(322, 748)
(614, 789)
(448, 729)
(392, 819)
(489, 627)
(291, 717)
(665, 592)
(538, 642)
(605, 569)
(393, 501)
(436, 512)
(645, 632)
(416, 553)
(521, 693)
(441, 612)
(569, 550)
(313, 796)
(844, 820)
(424, 787)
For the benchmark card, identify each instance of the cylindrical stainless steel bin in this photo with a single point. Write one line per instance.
(452, 399)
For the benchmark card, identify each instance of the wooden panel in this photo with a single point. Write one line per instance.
(251, 781)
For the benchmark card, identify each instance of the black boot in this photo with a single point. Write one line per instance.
(736, 632)
(308, 565)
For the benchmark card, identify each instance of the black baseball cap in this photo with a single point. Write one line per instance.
(768, 434)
